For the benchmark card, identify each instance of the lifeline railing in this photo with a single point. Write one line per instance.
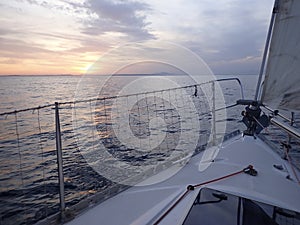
(18, 134)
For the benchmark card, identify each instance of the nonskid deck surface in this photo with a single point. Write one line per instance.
(144, 203)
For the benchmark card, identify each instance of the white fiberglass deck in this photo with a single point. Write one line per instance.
(144, 204)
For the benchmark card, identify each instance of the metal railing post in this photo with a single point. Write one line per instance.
(59, 161)
(289, 129)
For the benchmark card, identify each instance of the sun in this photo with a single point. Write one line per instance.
(85, 68)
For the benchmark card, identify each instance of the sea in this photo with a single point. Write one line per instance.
(114, 130)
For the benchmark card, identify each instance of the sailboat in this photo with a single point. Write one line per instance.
(245, 181)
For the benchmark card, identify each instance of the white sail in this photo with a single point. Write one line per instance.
(281, 88)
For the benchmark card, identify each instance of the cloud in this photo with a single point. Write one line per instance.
(57, 5)
(20, 57)
(228, 32)
(5, 31)
(25, 50)
(127, 18)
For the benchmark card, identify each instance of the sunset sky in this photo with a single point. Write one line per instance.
(66, 37)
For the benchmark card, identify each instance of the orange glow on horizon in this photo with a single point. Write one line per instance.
(52, 64)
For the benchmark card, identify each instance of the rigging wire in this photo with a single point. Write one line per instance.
(249, 170)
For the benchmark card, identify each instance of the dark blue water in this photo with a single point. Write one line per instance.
(105, 142)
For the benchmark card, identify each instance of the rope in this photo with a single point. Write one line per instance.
(128, 95)
(249, 169)
(28, 109)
